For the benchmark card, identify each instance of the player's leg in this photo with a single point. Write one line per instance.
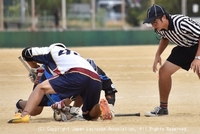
(21, 104)
(180, 57)
(93, 114)
(102, 109)
(36, 96)
(91, 109)
(33, 101)
(164, 82)
(75, 84)
(78, 101)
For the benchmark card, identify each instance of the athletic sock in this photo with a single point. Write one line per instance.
(18, 105)
(163, 105)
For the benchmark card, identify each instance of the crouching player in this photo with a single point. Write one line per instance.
(107, 86)
(72, 76)
(43, 73)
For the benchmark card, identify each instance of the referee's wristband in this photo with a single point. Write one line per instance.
(197, 57)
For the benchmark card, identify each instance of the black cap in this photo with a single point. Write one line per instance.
(154, 12)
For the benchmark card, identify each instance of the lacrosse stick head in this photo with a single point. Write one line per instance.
(58, 115)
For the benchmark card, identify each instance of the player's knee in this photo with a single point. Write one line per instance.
(27, 54)
(36, 111)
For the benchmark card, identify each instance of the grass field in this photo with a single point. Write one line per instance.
(130, 68)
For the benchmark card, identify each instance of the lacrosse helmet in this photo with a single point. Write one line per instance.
(58, 44)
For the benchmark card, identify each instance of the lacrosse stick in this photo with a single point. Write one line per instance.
(58, 112)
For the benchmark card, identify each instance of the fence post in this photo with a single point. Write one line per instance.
(1, 15)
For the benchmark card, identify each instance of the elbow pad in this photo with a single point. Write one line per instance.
(27, 54)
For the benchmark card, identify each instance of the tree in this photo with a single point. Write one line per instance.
(133, 17)
(136, 15)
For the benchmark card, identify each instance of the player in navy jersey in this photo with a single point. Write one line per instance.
(72, 76)
(185, 33)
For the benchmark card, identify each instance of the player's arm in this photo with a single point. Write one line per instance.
(195, 65)
(34, 55)
(162, 45)
(28, 55)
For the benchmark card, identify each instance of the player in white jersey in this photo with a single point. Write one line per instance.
(107, 86)
(73, 76)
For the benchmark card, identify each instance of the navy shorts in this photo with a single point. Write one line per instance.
(183, 56)
(74, 83)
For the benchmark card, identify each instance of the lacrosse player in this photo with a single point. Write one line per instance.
(34, 76)
(107, 86)
(72, 76)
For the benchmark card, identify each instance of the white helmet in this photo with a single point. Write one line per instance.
(58, 44)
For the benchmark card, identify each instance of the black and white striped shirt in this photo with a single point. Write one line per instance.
(182, 31)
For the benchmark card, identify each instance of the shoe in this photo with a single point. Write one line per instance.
(158, 111)
(75, 111)
(75, 118)
(19, 119)
(105, 110)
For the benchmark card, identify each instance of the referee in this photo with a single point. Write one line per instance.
(185, 33)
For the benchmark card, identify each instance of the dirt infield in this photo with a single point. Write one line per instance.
(130, 68)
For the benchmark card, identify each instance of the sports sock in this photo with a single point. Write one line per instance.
(163, 105)
(18, 105)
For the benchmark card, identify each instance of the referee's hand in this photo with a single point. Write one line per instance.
(156, 61)
(195, 66)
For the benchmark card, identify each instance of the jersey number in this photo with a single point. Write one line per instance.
(67, 52)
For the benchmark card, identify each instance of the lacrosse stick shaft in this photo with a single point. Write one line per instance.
(24, 63)
(63, 116)
(49, 97)
(132, 114)
(29, 70)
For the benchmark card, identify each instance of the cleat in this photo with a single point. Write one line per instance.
(75, 111)
(105, 110)
(158, 111)
(19, 119)
(76, 118)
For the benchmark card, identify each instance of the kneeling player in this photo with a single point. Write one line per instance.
(107, 86)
